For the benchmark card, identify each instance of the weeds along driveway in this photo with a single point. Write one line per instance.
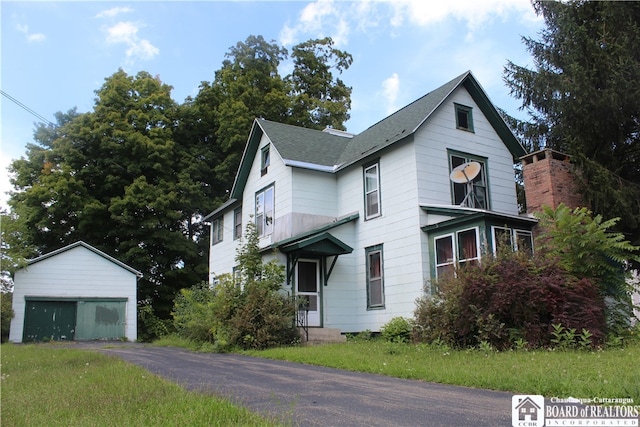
(304, 395)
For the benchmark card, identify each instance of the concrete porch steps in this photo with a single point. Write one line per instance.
(322, 336)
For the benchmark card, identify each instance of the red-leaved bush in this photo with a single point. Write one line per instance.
(508, 298)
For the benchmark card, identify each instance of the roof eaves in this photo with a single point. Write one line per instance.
(89, 247)
(222, 208)
(495, 119)
(247, 159)
(460, 79)
(312, 166)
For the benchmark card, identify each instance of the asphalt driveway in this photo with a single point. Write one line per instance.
(304, 395)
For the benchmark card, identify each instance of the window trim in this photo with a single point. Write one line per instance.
(468, 112)
(466, 157)
(513, 236)
(266, 228)
(447, 263)
(529, 233)
(265, 160)
(371, 250)
(367, 191)
(456, 249)
(237, 223)
(217, 230)
(494, 237)
(478, 249)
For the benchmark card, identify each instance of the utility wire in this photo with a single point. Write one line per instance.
(24, 107)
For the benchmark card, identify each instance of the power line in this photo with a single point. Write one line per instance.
(27, 109)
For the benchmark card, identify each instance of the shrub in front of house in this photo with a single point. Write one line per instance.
(517, 300)
(509, 299)
(247, 311)
(397, 329)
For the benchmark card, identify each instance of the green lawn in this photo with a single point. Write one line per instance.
(613, 373)
(47, 386)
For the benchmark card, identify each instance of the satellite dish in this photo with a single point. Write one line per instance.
(465, 173)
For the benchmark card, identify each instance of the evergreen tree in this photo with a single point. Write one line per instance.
(582, 98)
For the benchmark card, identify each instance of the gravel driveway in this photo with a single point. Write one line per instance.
(305, 395)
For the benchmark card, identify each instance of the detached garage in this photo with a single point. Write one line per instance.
(75, 293)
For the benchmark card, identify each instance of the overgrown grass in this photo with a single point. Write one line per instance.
(47, 386)
(607, 373)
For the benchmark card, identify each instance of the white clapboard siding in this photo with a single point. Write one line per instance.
(439, 134)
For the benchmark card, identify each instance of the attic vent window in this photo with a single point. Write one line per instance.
(464, 118)
(265, 161)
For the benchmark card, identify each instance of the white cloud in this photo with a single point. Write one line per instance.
(122, 32)
(337, 19)
(390, 88)
(127, 33)
(473, 12)
(322, 18)
(31, 37)
(143, 49)
(110, 13)
(37, 37)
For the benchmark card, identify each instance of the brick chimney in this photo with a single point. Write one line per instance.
(549, 179)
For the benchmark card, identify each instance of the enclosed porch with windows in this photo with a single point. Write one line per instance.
(459, 236)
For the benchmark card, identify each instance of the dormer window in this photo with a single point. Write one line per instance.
(464, 118)
(265, 160)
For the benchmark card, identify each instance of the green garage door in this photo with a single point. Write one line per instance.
(49, 320)
(100, 320)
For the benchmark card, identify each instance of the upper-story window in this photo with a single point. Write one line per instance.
(372, 191)
(474, 194)
(464, 117)
(265, 160)
(217, 230)
(265, 211)
(237, 223)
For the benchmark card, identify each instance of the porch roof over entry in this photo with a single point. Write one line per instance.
(320, 244)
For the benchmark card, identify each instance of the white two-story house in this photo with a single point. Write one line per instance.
(364, 223)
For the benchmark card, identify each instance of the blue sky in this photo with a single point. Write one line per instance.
(55, 55)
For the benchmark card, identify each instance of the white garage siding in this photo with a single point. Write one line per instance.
(75, 273)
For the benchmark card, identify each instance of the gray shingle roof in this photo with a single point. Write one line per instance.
(300, 147)
(397, 126)
(321, 148)
(304, 145)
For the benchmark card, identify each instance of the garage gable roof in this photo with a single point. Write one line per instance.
(89, 247)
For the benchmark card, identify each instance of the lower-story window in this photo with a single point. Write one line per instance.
(457, 248)
(375, 277)
(512, 239)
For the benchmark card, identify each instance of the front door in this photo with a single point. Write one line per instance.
(307, 286)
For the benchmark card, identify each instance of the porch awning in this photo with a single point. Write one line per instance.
(320, 244)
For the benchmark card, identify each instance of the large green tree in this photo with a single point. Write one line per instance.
(317, 98)
(116, 178)
(249, 85)
(582, 95)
